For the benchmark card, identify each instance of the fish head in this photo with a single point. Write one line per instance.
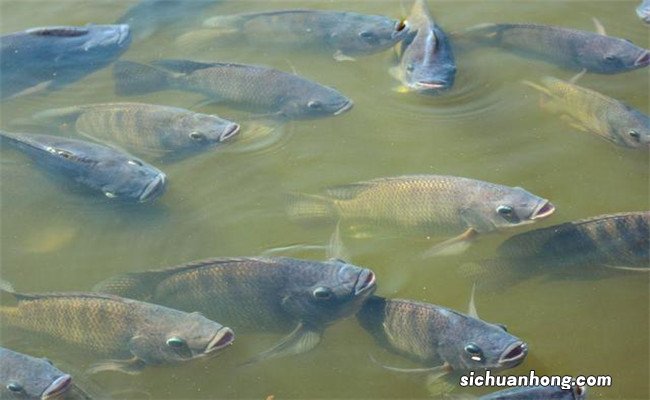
(315, 101)
(128, 179)
(610, 55)
(471, 344)
(630, 129)
(428, 63)
(643, 11)
(173, 336)
(201, 130)
(37, 379)
(366, 34)
(325, 292)
(503, 207)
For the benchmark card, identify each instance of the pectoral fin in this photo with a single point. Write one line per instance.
(641, 269)
(335, 247)
(339, 56)
(452, 246)
(40, 87)
(301, 340)
(432, 374)
(600, 29)
(132, 366)
(471, 309)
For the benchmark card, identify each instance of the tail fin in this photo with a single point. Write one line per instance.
(311, 208)
(57, 117)
(132, 78)
(135, 285)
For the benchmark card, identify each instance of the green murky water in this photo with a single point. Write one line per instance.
(232, 203)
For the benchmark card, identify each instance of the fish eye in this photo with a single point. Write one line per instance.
(474, 351)
(197, 136)
(135, 162)
(314, 104)
(401, 25)
(410, 67)
(175, 342)
(610, 58)
(636, 135)
(504, 210)
(15, 387)
(322, 293)
(505, 328)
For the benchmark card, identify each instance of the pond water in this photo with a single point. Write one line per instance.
(232, 203)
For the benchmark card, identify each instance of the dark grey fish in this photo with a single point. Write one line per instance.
(643, 11)
(257, 294)
(144, 128)
(344, 34)
(261, 89)
(149, 16)
(27, 377)
(131, 334)
(566, 47)
(441, 339)
(51, 57)
(593, 247)
(538, 393)
(99, 168)
(426, 59)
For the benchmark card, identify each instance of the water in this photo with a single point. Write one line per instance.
(232, 203)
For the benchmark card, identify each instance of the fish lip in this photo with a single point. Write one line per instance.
(643, 60)
(123, 34)
(365, 282)
(153, 189)
(514, 354)
(58, 387)
(348, 105)
(224, 338)
(545, 209)
(430, 85)
(229, 132)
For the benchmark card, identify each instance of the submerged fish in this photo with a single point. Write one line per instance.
(587, 248)
(26, 377)
(538, 392)
(99, 168)
(426, 60)
(590, 111)
(146, 128)
(441, 339)
(563, 46)
(261, 89)
(426, 205)
(257, 294)
(345, 34)
(643, 11)
(132, 333)
(51, 57)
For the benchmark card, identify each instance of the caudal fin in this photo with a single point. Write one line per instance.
(311, 208)
(133, 78)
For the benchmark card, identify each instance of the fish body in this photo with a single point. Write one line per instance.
(99, 168)
(147, 128)
(566, 47)
(596, 113)
(435, 336)
(346, 34)
(134, 333)
(261, 89)
(51, 57)
(27, 377)
(256, 294)
(424, 204)
(643, 11)
(426, 59)
(538, 392)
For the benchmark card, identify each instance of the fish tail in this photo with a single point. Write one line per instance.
(138, 286)
(133, 78)
(311, 208)
(57, 116)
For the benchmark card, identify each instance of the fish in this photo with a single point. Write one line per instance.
(643, 11)
(430, 205)
(39, 59)
(27, 377)
(593, 112)
(440, 339)
(343, 34)
(591, 247)
(538, 392)
(426, 59)
(133, 334)
(147, 17)
(149, 129)
(98, 168)
(256, 294)
(569, 48)
(266, 90)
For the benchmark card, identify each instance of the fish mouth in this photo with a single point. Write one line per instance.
(643, 60)
(154, 188)
(230, 131)
(224, 338)
(348, 105)
(545, 209)
(57, 388)
(514, 355)
(433, 85)
(365, 282)
(123, 34)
